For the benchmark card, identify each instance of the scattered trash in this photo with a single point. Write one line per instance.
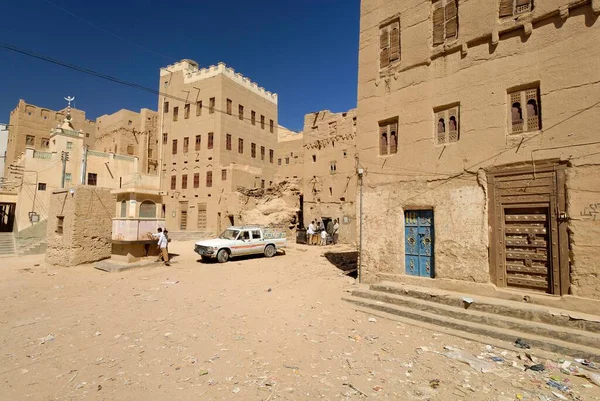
(559, 396)
(467, 302)
(99, 387)
(521, 344)
(588, 363)
(36, 265)
(269, 290)
(372, 320)
(377, 388)
(202, 372)
(235, 390)
(477, 364)
(46, 339)
(98, 333)
(170, 282)
(536, 368)
(532, 358)
(593, 377)
(435, 383)
(497, 359)
(519, 396)
(555, 384)
(80, 385)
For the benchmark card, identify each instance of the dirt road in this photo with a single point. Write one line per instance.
(255, 329)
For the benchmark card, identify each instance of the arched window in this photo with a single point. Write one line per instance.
(123, 208)
(532, 108)
(393, 142)
(383, 145)
(452, 123)
(517, 113)
(147, 209)
(441, 126)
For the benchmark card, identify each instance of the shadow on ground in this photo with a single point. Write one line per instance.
(345, 261)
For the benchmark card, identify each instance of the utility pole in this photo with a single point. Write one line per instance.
(64, 156)
(84, 164)
(360, 217)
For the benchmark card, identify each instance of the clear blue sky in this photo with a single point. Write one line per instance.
(306, 51)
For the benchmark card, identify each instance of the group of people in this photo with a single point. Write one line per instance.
(317, 232)
(162, 245)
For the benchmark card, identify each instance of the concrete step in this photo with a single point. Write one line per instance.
(502, 307)
(504, 322)
(536, 341)
(7, 245)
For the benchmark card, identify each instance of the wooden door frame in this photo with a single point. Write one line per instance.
(557, 225)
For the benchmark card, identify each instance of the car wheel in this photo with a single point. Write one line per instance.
(223, 256)
(270, 251)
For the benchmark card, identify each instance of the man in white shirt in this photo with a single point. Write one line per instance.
(310, 232)
(162, 245)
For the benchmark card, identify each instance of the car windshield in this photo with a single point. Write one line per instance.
(229, 234)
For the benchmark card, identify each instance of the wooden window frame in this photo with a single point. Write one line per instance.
(229, 106)
(228, 140)
(186, 111)
(196, 180)
(198, 108)
(253, 117)
(165, 138)
(262, 153)
(92, 179)
(445, 21)
(173, 182)
(528, 123)
(174, 147)
(390, 49)
(271, 126)
(211, 105)
(210, 143)
(166, 107)
(262, 122)
(198, 143)
(253, 150)
(209, 179)
(175, 113)
(224, 175)
(241, 112)
(186, 144)
(184, 181)
(387, 127)
(240, 146)
(513, 8)
(446, 113)
(271, 156)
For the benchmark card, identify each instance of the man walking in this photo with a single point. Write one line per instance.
(162, 243)
(336, 231)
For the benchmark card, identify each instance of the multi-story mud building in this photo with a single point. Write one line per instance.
(477, 133)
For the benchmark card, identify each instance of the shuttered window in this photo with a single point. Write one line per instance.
(445, 21)
(208, 179)
(173, 182)
(198, 142)
(186, 144)
(240, 145)
(509, 8)
(388, 137)
(524, 110)
(199, 108)
(184, 181)
(389, 43)
(229, 106)
(228, 141)
(196, 180)
(447, 125)
(210, 141)
(253, 150)
(262, 153)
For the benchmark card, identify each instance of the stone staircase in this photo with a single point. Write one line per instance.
(542, 327)
(7, 245)
(31, 246)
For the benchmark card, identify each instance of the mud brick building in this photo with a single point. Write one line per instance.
(478, 134)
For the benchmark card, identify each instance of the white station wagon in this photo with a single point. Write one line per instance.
(242, 240)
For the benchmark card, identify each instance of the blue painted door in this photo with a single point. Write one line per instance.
(418, 242)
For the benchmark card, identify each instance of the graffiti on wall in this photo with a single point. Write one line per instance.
(592, 211)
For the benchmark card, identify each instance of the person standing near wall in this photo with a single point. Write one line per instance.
(310, 232)
(336, 231)
(323, 237)
(162, 243)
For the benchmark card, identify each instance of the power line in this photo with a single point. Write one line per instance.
(72, 14)
(127, 83)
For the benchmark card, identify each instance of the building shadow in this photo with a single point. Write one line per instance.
(347, 262)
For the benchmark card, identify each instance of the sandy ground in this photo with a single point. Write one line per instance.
(252, 329)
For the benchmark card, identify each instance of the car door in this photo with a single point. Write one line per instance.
(256, 241)
(242, 244)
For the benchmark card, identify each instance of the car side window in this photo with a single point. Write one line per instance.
(256, 234)
(245, 235)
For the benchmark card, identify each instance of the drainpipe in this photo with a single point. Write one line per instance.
(360, 216)
(84, 164)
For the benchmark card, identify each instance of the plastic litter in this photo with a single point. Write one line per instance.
(477, 364)
(536, 368)
(554, 384)
(435, 383)
(497, 359)
(559, 396)
(521, 344)
(591, 376)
